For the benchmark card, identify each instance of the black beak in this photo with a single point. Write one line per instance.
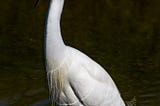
(37, 3)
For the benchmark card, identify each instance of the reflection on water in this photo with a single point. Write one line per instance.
(122, 36)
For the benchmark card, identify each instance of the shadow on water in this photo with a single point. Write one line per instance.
(123, 36)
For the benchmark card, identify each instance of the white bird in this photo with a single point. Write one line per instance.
(74, 79)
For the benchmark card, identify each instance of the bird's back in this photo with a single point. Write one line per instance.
(87, 83)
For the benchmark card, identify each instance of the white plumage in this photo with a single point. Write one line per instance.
(73, 78)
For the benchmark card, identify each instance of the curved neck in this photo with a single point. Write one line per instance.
(54, 43)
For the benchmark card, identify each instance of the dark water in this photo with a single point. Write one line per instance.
(123, 36)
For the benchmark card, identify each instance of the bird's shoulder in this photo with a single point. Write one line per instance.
(81, 64)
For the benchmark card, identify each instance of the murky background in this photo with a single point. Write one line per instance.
(123, 36)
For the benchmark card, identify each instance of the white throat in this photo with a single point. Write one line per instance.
(55, 46)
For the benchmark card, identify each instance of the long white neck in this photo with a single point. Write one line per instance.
(55, 46)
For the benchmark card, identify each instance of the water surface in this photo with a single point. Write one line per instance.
(123, 36)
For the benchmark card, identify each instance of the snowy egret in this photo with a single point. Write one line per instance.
(74, 78)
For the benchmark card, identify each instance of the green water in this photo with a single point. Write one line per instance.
(123, 36)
